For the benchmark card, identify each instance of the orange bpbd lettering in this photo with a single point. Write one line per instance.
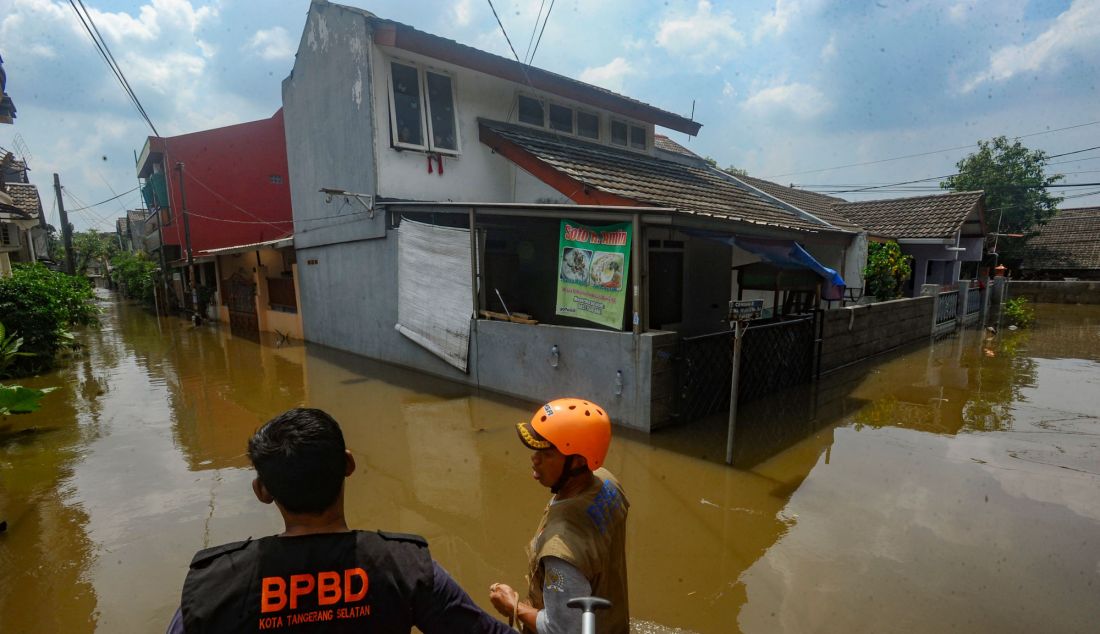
(328, 588)
(273, 594)
(299, 585)
(349, 575)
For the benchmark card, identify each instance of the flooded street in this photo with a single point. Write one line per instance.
(952, 487)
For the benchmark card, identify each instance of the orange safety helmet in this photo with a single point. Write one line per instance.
(573, 425)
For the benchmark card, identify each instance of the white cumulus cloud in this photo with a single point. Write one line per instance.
(704, 36)
(800, 100)
(610, 75)
(273, 44)
(1075, 32)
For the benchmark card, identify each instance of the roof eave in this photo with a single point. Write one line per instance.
(406, 38)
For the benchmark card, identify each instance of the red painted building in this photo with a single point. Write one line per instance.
(235, 183)
(229, 189)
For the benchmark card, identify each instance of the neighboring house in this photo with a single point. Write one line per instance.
(1067, 246)
(22, 226)
(235, 183)
(131, 230)
(430, 181)
(940, 232)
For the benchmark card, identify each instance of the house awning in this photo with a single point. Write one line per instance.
(281, 243)
(785, 254)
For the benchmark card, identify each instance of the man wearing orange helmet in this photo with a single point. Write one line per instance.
(579, 548)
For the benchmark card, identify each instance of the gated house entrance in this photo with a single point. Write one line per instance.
(774, 356)
(240, 299)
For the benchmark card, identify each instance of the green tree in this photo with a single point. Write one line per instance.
(93, 246)
(1015, 183)
(42, 305)
(135, 275)
(735, 171)
(886, 271)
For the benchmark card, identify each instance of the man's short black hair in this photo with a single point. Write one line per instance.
(299, 458)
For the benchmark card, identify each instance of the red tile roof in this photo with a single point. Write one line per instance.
(1069, 240)
(638, 177)
(935, 216)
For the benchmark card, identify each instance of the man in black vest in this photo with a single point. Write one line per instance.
(319, 576)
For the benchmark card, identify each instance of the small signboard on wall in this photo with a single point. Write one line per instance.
(593, 270)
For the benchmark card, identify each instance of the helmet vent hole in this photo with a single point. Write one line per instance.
(587, 413)
(572, 407)
(543, 419)
(599, 412)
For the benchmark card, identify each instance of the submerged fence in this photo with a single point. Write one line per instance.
(774, 356)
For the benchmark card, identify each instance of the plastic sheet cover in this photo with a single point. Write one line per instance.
(434, 296)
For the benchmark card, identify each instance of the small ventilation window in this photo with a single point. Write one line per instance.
(276, 179)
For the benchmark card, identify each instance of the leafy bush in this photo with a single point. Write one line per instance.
(135, 275)
(1019, 312)
(41, 305)
(887, 269)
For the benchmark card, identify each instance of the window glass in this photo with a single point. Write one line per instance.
(618, 132)
(637, 137)
(406, 104)
(441, 106)
(588, 125)
(561, 118)
(530, 111)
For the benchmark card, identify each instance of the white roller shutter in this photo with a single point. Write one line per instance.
(434, 296)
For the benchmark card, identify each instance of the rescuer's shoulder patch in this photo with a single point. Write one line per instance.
(403, 537)
(204, 557)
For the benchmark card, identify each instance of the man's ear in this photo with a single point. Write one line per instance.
(261, 491)
(349, 463)
(583, 462)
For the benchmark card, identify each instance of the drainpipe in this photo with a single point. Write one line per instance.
(636, 255)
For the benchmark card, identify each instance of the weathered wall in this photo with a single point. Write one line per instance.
(329, 135)
(857, 332)
(1056, 292)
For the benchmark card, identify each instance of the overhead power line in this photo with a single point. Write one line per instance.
(920, 154)
(104, 201)
(539, 41)
(105, 52)
(534, 30)
(504, 31)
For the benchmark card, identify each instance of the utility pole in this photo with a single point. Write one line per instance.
(188, 279)
(66, 231)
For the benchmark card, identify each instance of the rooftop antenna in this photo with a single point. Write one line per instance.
(692, 117)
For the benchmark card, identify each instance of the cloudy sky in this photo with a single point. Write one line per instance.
(812, 92)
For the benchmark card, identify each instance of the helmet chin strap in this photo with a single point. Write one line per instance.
(567, 472)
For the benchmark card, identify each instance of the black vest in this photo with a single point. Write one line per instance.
(338, 582)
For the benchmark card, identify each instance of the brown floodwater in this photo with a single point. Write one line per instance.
(951, 487)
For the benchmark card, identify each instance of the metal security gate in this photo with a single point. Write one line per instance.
(240, 299)
(774, 357)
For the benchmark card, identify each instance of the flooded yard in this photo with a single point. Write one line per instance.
(952, 487)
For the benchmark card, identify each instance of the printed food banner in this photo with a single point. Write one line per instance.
(593, 268)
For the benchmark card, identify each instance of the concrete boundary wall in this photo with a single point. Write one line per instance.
(855, 333)
(1056, 292)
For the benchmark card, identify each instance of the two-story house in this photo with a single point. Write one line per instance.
(436, 187)
(223, 195)
(22, 225)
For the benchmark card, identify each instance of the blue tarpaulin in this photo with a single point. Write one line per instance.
(786, 254)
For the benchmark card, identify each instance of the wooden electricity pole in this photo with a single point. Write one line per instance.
(66, 231)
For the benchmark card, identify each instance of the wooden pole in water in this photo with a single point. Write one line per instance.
(734, 375)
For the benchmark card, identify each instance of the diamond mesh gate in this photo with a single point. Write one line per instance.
(774, 357)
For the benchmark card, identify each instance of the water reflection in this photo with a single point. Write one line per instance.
(950, 486)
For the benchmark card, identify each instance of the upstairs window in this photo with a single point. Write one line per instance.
(561, 118)
(531, 112)
(628, 135)
(588, 125)
(414, 90)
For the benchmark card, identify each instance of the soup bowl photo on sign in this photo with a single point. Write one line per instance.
(574, 264)
(607, 271)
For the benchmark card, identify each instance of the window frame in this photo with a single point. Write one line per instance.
(426, 130)
(576, 110)
(545, 110)
(424, 70)
(629, 123)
